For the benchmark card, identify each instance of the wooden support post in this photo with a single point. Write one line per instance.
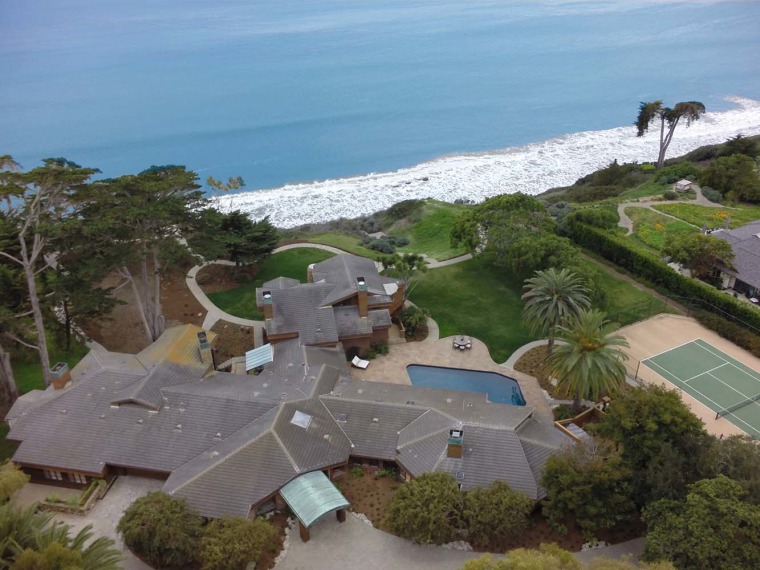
(341, 514)
(303, 531)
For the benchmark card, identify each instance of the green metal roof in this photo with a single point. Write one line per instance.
(311, 496)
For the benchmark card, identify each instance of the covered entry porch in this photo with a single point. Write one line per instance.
(311, 496)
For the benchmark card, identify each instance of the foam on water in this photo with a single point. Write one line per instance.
(532, 169)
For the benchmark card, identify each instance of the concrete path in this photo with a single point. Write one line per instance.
(354, 544)
(106, 513)
(215, 314)
(335, 546)
(627, 223)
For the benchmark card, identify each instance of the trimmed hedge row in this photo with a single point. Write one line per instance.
(647, 265)
(737, 334)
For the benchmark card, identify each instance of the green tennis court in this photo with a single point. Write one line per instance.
(722, 383)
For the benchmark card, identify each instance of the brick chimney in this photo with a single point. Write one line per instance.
(361, 286)
(456, 444)
(60, 375)
(266, 297)
(204, 347)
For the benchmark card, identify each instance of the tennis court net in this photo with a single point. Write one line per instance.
(738, 405)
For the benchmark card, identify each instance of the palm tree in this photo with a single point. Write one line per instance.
(591, 361)
(655, 110)
(552, 297)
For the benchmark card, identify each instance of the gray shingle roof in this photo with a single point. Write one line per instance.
(376, 439)
(323, 443)
(342, 271)
(746, 245)
(281, 283)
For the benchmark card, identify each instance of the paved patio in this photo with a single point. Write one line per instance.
(392, 367)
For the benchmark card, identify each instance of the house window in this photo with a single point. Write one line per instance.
(55, 475)
(77, 478)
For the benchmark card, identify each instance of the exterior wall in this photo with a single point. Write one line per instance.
(379, 336)
(68, 479)
(397, 300)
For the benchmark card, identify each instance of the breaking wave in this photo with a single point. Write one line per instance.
(532, 169)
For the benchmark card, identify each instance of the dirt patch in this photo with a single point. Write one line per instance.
(534, 364)
(122, 330)
(234, 340)
(215, 277)
(369, 494)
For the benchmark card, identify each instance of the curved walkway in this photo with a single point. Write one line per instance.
(627, 223)
(215, 314)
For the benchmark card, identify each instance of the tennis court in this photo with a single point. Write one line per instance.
(728, 387)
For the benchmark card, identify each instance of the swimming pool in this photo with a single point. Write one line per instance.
(500, 389)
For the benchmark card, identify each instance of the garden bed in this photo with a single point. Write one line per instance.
(78, 504)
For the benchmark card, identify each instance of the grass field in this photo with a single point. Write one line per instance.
(28, 371)
(649, 189)
(478, 299)
(653, 228)
(430, 235)
(475, 298)
(711, 217)
(349, 243)
(241, 301)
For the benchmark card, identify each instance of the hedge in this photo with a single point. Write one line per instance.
(649, 266)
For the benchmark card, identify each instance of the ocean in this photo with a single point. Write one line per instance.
(338, 108)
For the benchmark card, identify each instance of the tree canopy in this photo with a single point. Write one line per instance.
(661, 439)
(591, 360)
(734, 176)
(590, 482)
(551, 298)
(712, 528)
(700, 253)
(668, 119)
(233, 543)
(427, 510)
(162, 529)
(495, 512)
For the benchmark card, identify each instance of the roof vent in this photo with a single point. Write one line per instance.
(214, 453)
(343, 417)
(140, 421)
(218, 435)
(178, 428)
(460, 475)
(64, 411)
(326, 437)
(410, 402)
(375, 420)
(449, 400)
(102, 416)
(182, 409)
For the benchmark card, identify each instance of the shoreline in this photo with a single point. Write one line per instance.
(532, 168)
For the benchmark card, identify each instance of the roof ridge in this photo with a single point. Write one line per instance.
(284, 449)
(338, 397)
(337, 423)
(426, 436)
(530, 467)
(238, 449)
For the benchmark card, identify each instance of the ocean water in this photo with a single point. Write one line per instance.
(375, 100)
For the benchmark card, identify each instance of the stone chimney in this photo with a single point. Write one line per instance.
(204, 347)
(60, 375)
(456, 444)
(361, 286)
(266, 297)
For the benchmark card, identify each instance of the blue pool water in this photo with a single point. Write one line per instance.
(500, 389)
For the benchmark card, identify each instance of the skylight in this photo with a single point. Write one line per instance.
(301, 419)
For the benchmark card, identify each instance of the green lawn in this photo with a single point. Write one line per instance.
(624, 304)
(649, 189)
(349, 243)
(7, 449)
(475, 298)
(241, 301)
(28, 371)
(711, 217)
(653, 228)
(430, 235)
(478, 299)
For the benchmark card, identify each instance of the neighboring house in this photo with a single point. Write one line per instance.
(745, 241)
(345, 300)
(228, 443)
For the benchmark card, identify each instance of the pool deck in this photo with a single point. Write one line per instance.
(392, 367)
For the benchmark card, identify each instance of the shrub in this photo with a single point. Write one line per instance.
(731, 331)
(427, 510)
(673, 173)
(413, 317)
(379, 348)
(162, 530)
(495, 512)
(670, 195)
(232, 543)
(712, 195)
(592, 193)
(11, 480)
(404, 209)
(384, 473)
(357, 472)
